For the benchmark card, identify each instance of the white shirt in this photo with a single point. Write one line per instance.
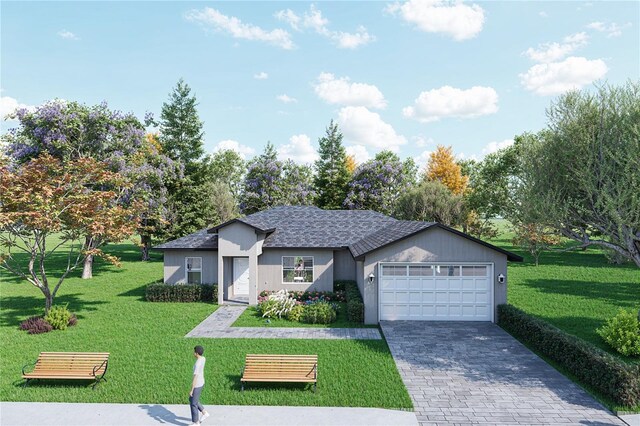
(198, 371)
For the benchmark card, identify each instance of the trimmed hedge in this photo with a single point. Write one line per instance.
(614, 378)
(355, 305)
(160, 292)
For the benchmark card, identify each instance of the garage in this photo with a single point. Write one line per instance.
(436, 291)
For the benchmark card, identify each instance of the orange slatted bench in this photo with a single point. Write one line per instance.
(280, 368)
(68, 366)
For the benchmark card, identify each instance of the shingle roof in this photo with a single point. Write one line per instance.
(362, 231)
(392, 232)
(200, 240)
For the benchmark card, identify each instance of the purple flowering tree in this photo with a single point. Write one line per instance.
(270, 182)
(379, 183)
(70, 130)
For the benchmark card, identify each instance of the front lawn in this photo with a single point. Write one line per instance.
(251, 318)
(151, 360)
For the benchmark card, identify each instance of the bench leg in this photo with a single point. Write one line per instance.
(26, 382)
(241, 386)
(314, 387)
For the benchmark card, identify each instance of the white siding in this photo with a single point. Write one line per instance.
(174, 265)
(270, 270)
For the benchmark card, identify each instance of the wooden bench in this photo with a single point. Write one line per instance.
(68, 366)
(280, 368)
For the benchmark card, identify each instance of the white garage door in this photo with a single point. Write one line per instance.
(438, 292)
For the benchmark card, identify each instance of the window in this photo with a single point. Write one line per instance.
(474, 271)
(394, 271)
(446, 270)
(194, 270)
(297, 269)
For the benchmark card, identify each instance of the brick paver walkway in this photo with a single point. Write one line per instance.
(218, 324)
(476, 373)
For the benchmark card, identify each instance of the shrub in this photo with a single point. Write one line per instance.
(58, 317)
(276, 305)
(614, 378)
(73, 320)
(318, 313)
(355, 305)
(622, 332)
(160, 292)
(305, 296)
(35, 325)
(295, 314)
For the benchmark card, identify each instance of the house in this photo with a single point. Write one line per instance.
(406, 270)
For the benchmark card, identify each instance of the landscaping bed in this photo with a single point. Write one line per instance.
(252, 318)
(151, 361)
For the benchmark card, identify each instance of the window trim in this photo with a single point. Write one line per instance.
(186, 269)
(313, 270)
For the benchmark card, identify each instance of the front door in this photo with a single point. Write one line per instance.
(240, 276)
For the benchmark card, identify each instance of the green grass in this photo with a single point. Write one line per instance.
(251, 318)
(151, 360)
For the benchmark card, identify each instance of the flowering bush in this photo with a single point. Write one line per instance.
(277, 304)
(35, 325)
(622, 332)
(306, 296)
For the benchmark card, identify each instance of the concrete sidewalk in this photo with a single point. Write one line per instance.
(67, 414)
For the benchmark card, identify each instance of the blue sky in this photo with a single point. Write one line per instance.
(404, 76)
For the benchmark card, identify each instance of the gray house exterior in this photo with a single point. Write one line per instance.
(405, 270)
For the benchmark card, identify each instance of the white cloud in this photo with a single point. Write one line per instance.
(237, 29)
(261, 76)
(612, 29)
(364, 127)
(449, 101)
(8, 105)
(452, 18)
(422, 160)
(314, 20)
(421, 142)
(558, 77)
(359, 153)
(67, 35)
(495, 146)
(232, 145)
(551, 52)
(299, 149)
(286, 99)
(543, 14)
(342, 92)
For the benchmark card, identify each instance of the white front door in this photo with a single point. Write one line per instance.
(240, 276)
(438, 292)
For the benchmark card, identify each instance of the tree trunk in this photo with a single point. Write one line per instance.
(87, 270)
(48, 300)
(146, 245)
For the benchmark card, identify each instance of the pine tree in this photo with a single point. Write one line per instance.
(180, 127)
(332, 174)
(442, 167)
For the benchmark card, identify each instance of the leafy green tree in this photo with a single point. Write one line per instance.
(228, 167)
(379, 183)
(580, 176)
(181, 134)
(332, 173)
(431, 201)
(270, 182)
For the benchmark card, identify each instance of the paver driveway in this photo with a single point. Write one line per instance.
(476, 373)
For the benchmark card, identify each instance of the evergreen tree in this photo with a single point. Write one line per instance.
(180, 127)
(332, 174)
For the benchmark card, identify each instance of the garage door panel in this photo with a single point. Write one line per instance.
(436, 292)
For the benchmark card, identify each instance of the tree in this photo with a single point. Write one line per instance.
(270, 182)
(70, 130)
(443, 167)
(534, 238)
(332, 174)
(181, 132)
(228, 167)
(225, 204)
(431, 201)
(189, 206)
(580, 176)
(47, 196)
(351, 164)
(379, 183)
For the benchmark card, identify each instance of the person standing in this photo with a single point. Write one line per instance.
(196, 388)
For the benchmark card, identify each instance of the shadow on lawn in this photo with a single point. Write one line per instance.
(17, 308)
(625, 294)
(138, 292)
